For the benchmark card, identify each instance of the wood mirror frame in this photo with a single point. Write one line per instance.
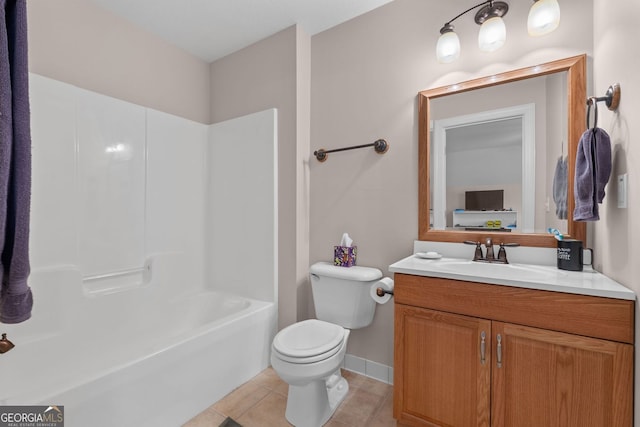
(576, 97)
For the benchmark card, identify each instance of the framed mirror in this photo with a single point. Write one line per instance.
(504, 179)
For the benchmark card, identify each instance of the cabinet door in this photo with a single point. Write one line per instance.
(441, 377)
(555, 379)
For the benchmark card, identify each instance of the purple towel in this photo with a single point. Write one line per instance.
(560, 188)
(15, 163)
(593, 168)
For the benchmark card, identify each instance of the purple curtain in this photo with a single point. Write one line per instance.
(16, 299)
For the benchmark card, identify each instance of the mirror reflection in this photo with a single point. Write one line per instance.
(494, 154)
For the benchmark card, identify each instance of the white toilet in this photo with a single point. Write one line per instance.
(308, 354)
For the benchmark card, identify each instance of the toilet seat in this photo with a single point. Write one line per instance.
(308, 341)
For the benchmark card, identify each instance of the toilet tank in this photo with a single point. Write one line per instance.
(341, 294)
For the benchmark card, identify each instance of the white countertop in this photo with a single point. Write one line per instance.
(542, 277)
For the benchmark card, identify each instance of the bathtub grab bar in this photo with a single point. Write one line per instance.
(114, 274)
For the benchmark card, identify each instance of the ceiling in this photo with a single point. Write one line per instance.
(211, 29)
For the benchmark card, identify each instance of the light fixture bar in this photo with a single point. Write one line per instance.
(469, 10)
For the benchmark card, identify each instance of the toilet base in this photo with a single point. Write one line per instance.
(313, 404)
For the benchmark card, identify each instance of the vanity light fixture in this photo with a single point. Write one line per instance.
(448, 47)
(544, 17)
(493, 32)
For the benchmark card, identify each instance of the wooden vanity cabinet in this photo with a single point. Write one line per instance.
(472, 354)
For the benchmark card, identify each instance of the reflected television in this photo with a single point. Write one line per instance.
(485, 200)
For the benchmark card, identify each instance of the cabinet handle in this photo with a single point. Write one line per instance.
(483, 345)
(499, 355)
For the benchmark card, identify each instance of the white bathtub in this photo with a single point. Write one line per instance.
(148, 356)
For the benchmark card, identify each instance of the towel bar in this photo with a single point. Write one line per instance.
(380, 146)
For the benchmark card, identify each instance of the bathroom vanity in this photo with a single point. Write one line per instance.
(510, 345)
(518, 344)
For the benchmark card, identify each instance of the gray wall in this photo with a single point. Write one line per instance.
(366, 74)
(78, 42)
(615, 238)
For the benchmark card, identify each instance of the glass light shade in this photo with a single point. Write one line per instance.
(544, 17)
(448, 47)
(492, 34)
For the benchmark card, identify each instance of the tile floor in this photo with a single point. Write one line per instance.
(261, 402)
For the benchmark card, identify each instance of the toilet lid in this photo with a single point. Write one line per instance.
(308, 338)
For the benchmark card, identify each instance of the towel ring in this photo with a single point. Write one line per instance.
(592, 101)
(611, 98)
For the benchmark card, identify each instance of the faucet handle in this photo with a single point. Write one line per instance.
(477, 255)
(5, 344)
(510, 245)
(502, 253)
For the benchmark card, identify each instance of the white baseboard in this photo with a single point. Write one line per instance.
(368, 368)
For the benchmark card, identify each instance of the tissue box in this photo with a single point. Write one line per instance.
(344, 256)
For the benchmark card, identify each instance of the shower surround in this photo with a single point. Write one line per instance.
(140, 226)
